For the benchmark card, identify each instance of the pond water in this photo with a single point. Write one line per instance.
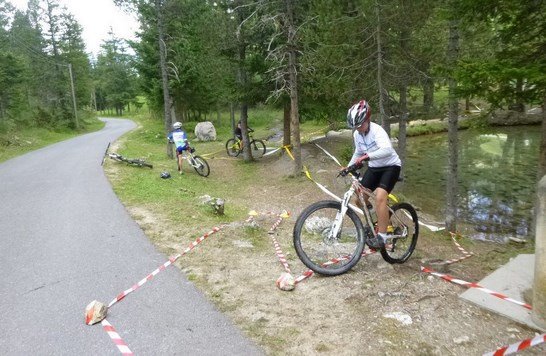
(497, 179)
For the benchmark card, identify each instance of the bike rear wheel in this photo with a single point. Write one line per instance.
(232, 148)
(405, 233)
(105, 153)
(201, 166)
(318, 249)
(140, 163)
(257, 148)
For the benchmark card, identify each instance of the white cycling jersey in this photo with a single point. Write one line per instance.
(178, 137)
(377, 144)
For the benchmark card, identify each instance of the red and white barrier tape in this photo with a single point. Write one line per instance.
(457, 259)
(463, 251)
(163, 266)
(460, 248)
(121, 345)
(278, 250)
(518, 346)
(275, 225)
(280, 255)
(281, 216)
(309, 272)
(475, 285)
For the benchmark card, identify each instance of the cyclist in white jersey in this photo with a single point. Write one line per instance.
(372, 144)
(178, 137)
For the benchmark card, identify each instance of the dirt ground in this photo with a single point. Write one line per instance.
(376, 308)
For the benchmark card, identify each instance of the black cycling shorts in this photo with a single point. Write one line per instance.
(382, 177)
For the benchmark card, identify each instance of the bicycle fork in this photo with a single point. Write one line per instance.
(338, 221)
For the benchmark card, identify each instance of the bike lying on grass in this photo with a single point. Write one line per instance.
(234, 146)
(131, 161)
(329, 237)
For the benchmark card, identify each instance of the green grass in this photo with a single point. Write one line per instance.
(20, 141)
(144, 187)
(428, 128)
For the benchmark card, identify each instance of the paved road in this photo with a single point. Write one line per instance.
(66, 240)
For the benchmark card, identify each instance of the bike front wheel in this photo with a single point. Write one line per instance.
(258, 148)
(232, 148)
(201, 166)
(316, 245)
(405, 230)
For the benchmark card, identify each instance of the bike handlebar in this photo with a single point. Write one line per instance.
(350, 169)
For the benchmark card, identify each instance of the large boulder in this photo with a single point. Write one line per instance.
(512, 117)
(205, 131)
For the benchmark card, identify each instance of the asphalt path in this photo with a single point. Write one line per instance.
(65, 240)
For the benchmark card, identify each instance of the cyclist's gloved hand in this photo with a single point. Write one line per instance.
(351, 169)
(343, 172)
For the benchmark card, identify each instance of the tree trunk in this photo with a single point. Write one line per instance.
(382, 116)
(242, 80)
(232, 119)
(402, 126)
(247, 154)
(403, 105)
(167, 100)
(293, 87)
(453, 102)
(539, 283)
(541, 169)
(286, 121)
(542, 150)
(428, 93)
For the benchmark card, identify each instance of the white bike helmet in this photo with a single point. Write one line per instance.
(358, 114)
(177, 125)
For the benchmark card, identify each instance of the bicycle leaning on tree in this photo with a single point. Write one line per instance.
(234, 146)
(329, 237)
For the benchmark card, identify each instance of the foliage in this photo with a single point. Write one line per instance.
(515, 73)
(37, 47)
(26, 139)
(115, 78)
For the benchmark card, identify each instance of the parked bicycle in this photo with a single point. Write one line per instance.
(234, 146)
(329, 236)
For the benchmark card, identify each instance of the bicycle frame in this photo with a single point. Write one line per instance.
(340, 214)
(188, 156)
(239, 142)
(361, 191)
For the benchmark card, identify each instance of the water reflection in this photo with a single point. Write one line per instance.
(497, 179)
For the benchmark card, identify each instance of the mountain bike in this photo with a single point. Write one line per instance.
(329, 237)
(197, 162)
(131, 161)
(234, 146)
